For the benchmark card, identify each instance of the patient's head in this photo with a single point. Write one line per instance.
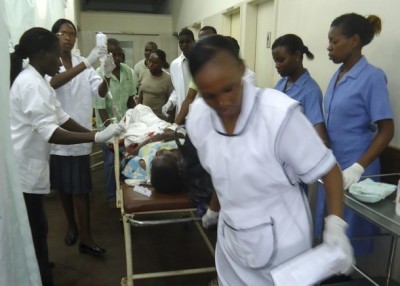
(165, 175)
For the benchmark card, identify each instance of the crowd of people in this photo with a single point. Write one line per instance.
(261, 147)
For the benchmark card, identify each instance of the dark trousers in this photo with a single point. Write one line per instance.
(39, 228)
(111, 185)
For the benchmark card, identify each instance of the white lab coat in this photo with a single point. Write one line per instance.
(180, 82)
(264, 218)
(76, 99)
(35, 113)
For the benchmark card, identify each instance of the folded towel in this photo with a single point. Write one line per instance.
(371, 188)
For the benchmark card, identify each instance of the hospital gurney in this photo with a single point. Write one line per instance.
(134, 204)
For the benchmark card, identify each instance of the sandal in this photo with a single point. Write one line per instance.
(70, 238)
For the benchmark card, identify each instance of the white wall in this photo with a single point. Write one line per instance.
(186, 12)
(159, 26)
(310, 19)
(380, 52)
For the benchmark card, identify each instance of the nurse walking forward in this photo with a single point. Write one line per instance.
(358, 114)
(244, 137)
(36, 120)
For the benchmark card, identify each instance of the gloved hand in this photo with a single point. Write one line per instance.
(111, 130)
(335, 235)
(352, 175)
(166, 107)
(94, 55)
(109, 66)
(210, 218)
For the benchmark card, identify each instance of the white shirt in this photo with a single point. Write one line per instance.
(35, 113)
(181, 77)
(76, 99)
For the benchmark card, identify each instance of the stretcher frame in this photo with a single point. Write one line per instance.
(387, 223)
(129, 220)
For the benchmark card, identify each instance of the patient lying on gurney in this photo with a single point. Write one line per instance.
(151, 153)
(155, 161)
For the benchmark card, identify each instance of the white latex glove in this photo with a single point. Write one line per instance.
(352, 175)
(111, 130)
(210, 219)
(109, 66)
(166, 107)
(94, 55)
(335, 235)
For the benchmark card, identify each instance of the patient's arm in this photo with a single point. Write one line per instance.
(166, 136)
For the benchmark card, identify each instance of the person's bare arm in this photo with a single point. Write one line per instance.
(71, 132)
(190, 97)
(333, 183)
(103, 87)
(104, 117)
(323, 134)
(140, 98)
(62, 78)
(72, 125)
(381, 141)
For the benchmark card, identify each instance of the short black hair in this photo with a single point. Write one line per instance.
(113, 42)
(32, 42)
(166, 175)
(365, 27)
(209, 28)
(292, 43)
(162, 56)
(205, 49)
(186, 32)
(57, 25)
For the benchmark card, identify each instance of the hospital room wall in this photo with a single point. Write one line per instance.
(130, 28)
(310, 19)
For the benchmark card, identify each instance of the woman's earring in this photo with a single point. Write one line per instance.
(297, 59)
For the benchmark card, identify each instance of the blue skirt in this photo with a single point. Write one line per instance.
(71, 174)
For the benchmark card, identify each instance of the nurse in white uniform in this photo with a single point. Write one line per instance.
(257, 146)
(36, 120)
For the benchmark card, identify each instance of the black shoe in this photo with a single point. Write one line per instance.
(91, 250)
(70, 238)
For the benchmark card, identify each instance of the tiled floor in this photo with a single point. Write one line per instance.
(156, 248)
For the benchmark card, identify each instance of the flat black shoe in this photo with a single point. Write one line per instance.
(70, 239)
(91, 250)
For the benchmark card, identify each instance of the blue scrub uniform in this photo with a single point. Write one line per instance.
(306, 91)
(352, 108)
